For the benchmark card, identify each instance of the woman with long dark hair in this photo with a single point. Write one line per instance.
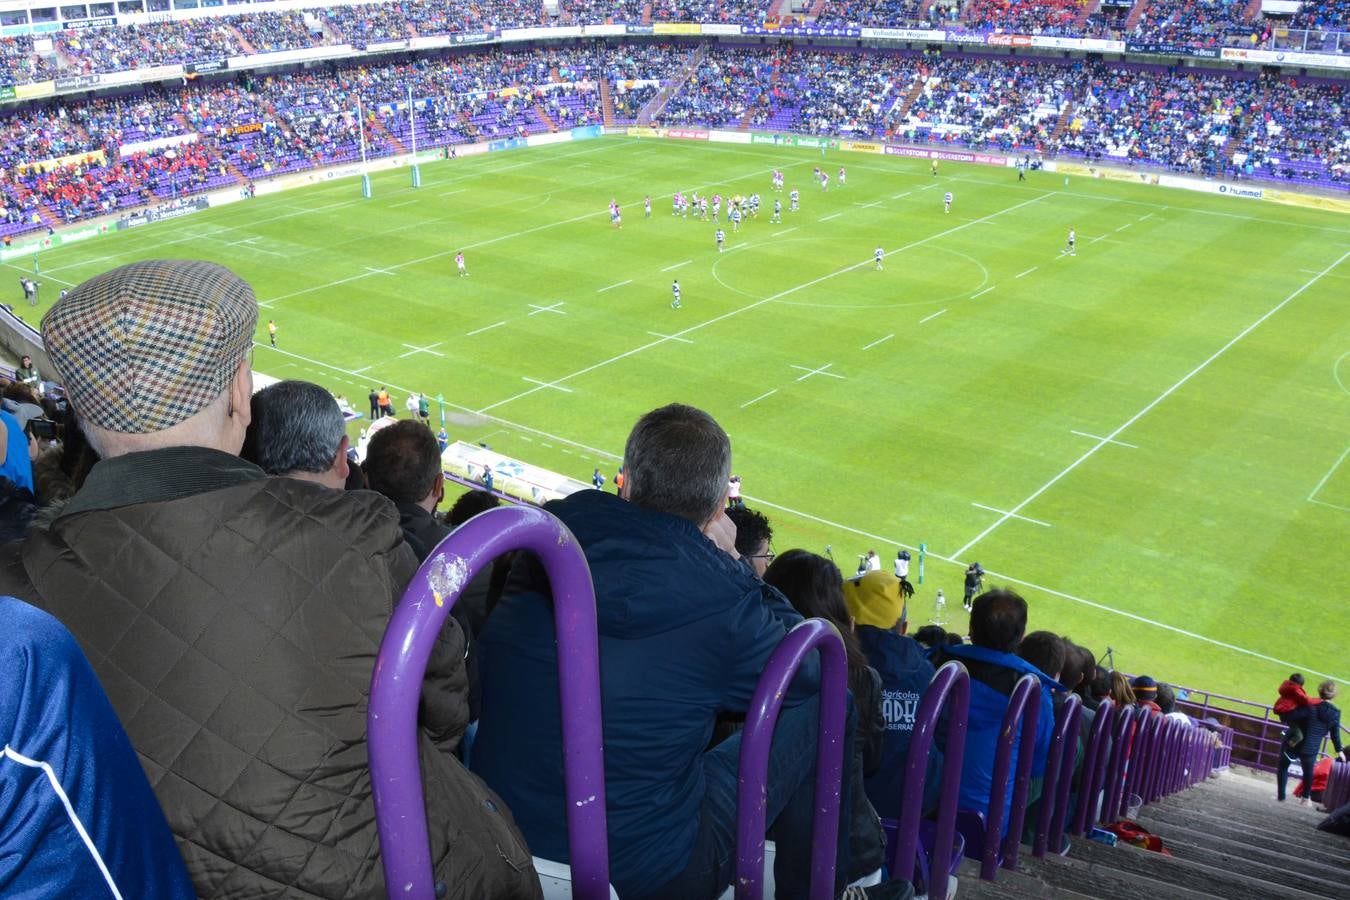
(814, 587)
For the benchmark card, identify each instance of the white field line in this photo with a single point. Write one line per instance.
(1098, 437)
(982, 293)
(1005, 512)
(1027, 272)
(613, 286)
(41, 276)
(551, 308)
(76, 265)
(677, 265)
(1327, 477)
(486, 328)
(931, 316)
(879, 341)
(1102, 607)
(786, 230)
(758, 303)
(821, 371)
(404, 203)
(529, 434)
(829, 217)
(1123, 227)
(1145, 217)
(670, 337)
(450, 193)
(759, 398)
(547, 384)
(898, 196)
(1149, 406)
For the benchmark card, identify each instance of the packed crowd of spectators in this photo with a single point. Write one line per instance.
(1024, 16)
(1200, 23)
(256, 126)
(988, 104)
(1205, 23)
(19, 64)
(1178, 119)
(1301, 133)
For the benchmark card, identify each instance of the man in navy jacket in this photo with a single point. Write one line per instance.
(685, 629)
(998, 620)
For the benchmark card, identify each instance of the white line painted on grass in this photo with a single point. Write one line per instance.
(869, 205)
(552, 308)
(981, 293)
(1327, 477)
(547, 384)
(40, 277)
(821, 371)
(378, 271)
(1123, 227)
(1151, 404)
(759, 398)
(786, 230)
(932, 316)
(612, 287)
(455, 191)
(898, 196)
(486, 328)
(1098, 437)
(677, 265)
(360, 370)
(413, 350)
(1028, 272)
(1145, 216)
(1006, 513)
(879, 341)
(758, 303)
(670, 337)
(527, 432)
(829, 217)
(404, 203)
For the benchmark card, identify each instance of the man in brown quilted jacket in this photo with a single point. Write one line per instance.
(234, 618)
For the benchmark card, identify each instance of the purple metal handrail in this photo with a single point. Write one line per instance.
(1141, 758)
(1094, 769)
(1122, 748)
(1058, 777)
(1337, 792)
(396, 686)
(754, 762)
(950, 691)
(1024, 707)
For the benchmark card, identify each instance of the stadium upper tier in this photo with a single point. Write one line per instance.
(94, 46)
(94, 157)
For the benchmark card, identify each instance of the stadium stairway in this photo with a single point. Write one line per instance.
(1227, 837)
(1252, 12)
(646, 14)
(915, 90)
(377, 128)
(544, 117)
(1136, 13)
(606, 103)
(672, 87)
(1088, 9)
(816, 9)
(243, 42)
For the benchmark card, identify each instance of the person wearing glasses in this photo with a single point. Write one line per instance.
(754, 537)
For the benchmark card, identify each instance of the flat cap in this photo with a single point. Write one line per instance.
(146, 346)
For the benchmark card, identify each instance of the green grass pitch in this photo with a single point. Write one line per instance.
(1148, 439)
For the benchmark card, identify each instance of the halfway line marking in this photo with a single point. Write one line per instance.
(979, 293)
(1028, 271)
(932, 316)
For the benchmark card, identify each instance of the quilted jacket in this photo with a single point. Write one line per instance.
(233, 620)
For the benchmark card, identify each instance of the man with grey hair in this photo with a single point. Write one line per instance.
(685, 629)
(297, 430)
(234, 618)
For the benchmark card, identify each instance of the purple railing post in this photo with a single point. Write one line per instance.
(1058, 777)
(1121, 748)
(396, 686)
(1094, 769)
(1024, 707)
(950, 690)
(756, 740)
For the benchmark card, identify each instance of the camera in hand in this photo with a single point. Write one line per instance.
(42, 429)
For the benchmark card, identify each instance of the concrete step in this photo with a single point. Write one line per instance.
(1300, 841)
(1295, 872)
(1076, 872)
(1008, 884)
(1264, 852)
(1182, 874)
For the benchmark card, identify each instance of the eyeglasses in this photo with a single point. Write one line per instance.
(770, 556)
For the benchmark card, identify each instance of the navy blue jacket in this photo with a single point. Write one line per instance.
(1318, 721)
(905, 673)
(993, 675)
(684, 630)
(67, 765)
